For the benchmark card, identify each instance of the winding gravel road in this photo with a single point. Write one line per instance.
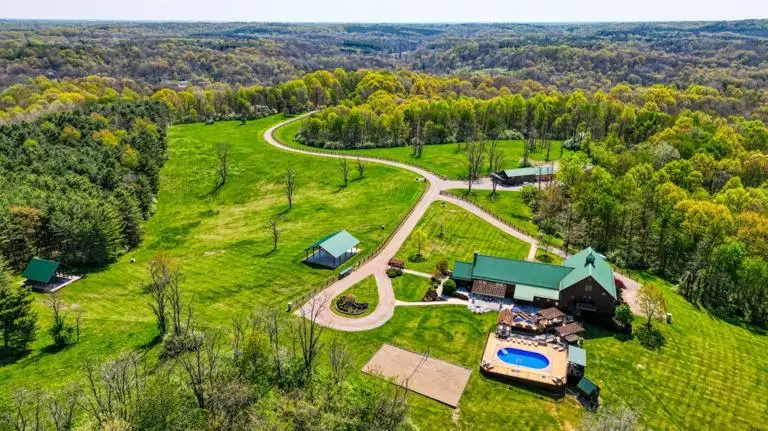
(377, 265)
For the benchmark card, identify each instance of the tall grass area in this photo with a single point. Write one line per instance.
(221, 243)
(463, 233)
(448, 160)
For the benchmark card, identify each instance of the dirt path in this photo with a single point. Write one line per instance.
(377, 265)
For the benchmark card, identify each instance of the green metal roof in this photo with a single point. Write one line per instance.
(512, 271)
(337, 244)
(527, 293)
(586, 386)
(40, 270)
(577, 355)
(589, 263)
(462, 271)
(534, 170)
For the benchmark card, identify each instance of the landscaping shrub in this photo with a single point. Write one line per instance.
(431, 295)
(392, 272)
(398, 271)
(623, 315)
(529, 194)
(442, 267)
(650, 337)
(449, 287)
(348, 304)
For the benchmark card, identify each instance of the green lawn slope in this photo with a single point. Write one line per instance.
(220, 242)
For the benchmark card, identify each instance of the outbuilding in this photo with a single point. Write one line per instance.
(333, 250)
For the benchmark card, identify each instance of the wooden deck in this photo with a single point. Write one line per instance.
(552, 377)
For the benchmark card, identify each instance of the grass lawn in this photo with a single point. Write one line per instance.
(445, 159)
(548, 257)
(364, 291)
(463, 234)
(507, 205)
(220, 242)
(410, 288)
(710, 375)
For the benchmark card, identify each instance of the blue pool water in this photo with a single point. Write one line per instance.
(523, 358)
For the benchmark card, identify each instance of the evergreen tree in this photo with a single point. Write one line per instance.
(17, 319)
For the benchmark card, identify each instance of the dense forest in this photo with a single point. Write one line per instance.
(78, 184)
(728, 56)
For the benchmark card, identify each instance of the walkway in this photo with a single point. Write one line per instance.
(377, 265)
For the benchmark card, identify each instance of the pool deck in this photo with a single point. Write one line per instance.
(552, 377)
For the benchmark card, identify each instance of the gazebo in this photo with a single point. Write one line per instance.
(333, 250)
(46, 275)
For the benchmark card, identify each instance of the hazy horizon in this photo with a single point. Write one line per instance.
(391, 12)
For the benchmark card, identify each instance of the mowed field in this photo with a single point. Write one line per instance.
(444, 159)
(220, 242)
(710, 375)
(463, 233)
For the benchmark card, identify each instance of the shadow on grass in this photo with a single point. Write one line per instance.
(157, 339)
(52, 349)
(10, 356)
(555, 396)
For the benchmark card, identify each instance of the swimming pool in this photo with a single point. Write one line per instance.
(523, 358)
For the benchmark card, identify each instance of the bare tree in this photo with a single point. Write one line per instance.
(308, 331)
(61, 330)
(498, 164)
(272, 223)
(475, 156)
(492, 154)
(115, 388)
(344, 168)
(78, 318)
(179, 324)
(24, 410)
(290, 185)
(201, 365)
(361, 165)
(160, 274)
(222, 154)
(341, 361)
(271, 321)
(63, 407)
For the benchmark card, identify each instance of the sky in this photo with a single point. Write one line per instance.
(387, 10)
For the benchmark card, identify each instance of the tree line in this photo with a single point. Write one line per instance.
(77, 185)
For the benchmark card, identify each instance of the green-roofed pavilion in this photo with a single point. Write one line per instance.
(332, 250)
(40, 271)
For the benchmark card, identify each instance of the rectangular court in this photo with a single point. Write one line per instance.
(433, 378)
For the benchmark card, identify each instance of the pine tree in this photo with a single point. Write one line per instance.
(17, 319)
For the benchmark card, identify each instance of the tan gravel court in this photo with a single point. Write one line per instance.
(433, 378)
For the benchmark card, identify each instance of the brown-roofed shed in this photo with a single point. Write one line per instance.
(569, 329)
(550, 313)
